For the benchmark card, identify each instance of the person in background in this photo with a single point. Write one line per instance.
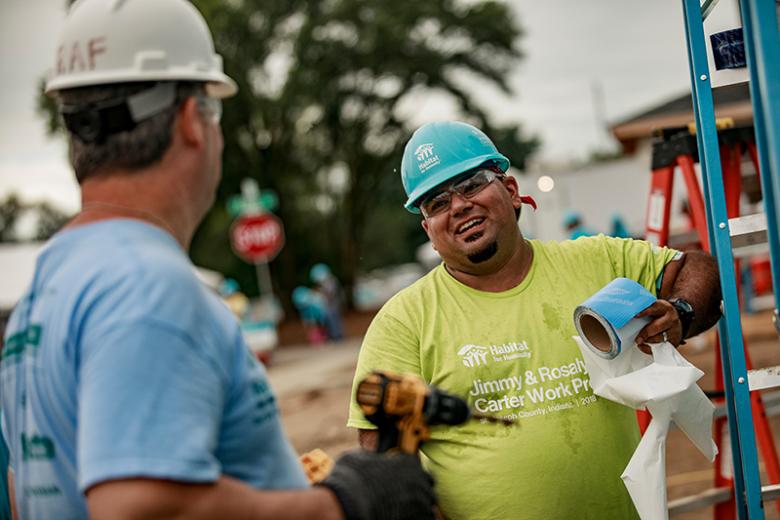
(493, 323)
(314, 313)
(327, 284)
(127, 389)
(236, 300)
(574, 226)
(619, 228)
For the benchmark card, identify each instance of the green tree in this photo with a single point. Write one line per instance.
(10, 210)
(319, 118)
(49, 219)
(326, 90)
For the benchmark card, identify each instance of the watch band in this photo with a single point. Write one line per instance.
(685, 312)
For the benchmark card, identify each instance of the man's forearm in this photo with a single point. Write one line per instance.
(227, 498)
(368, 439)
(695, 279)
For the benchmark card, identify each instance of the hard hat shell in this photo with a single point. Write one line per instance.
(440, 151)
(119, 41)
(571, 217)
(301, 296)
(310, 304)
(229, 286)
(319, 272)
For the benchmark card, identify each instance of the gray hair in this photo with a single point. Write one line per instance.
(134, 149)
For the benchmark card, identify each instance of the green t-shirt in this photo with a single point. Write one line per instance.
(512, 354)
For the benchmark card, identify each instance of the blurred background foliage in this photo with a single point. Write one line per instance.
(20, 221)
(327, 89)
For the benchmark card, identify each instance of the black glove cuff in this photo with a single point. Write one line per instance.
(350, 511)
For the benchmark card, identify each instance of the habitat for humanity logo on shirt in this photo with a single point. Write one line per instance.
(475, 355)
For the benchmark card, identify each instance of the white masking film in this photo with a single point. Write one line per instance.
(664, 384)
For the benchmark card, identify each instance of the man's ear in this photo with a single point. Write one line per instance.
(510, 183)
(190, 124)
(424, 224)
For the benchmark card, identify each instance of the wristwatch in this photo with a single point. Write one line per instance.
(685, 312)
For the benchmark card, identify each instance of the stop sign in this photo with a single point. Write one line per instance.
(257, 238)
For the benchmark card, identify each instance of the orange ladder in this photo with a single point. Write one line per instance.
(675, 148)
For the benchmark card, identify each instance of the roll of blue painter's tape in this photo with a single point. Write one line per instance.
(606, 322)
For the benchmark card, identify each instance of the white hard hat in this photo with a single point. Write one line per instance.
(119, 41)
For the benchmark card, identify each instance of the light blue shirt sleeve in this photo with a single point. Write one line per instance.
(128, 367)
(150, 405)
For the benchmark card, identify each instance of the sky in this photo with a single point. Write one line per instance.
(633, 51)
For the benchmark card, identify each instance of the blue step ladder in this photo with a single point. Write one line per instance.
(762, 48)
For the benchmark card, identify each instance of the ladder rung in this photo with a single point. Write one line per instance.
(714, 496)
(762, 378)
(770, 492)
(751, 250)
(770, 400)
(748, 230)
(683, 238)
(705, 498)
(763, 302)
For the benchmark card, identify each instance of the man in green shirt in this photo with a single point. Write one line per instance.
(493, 323)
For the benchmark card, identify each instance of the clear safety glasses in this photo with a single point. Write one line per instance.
(467, 188)
(211, 105)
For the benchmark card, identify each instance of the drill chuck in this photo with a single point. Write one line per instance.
(443, 408)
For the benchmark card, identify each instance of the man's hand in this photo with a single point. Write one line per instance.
(693, 278)
(665, 326)
(381, 486)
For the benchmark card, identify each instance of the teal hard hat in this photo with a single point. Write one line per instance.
(319, 272)
(301, 296)
(571, 217)
(228, 286)
(440, 151)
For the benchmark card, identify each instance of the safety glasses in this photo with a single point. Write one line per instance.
(467, 188)
(211, 105)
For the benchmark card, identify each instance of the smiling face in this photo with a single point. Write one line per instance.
(478, 235)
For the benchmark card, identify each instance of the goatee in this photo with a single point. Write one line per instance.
(485, 254)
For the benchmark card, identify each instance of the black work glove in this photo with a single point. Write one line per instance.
(381, 486)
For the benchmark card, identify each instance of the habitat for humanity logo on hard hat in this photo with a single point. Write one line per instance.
(426, 159)
(473, 355)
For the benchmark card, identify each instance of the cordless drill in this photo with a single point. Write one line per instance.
(403, 408)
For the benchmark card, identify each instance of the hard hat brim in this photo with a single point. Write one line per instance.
(217, 85)
(449, 173)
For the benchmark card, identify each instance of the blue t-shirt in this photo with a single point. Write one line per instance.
(119, 363)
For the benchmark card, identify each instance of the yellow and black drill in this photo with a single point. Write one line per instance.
(403, 408)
